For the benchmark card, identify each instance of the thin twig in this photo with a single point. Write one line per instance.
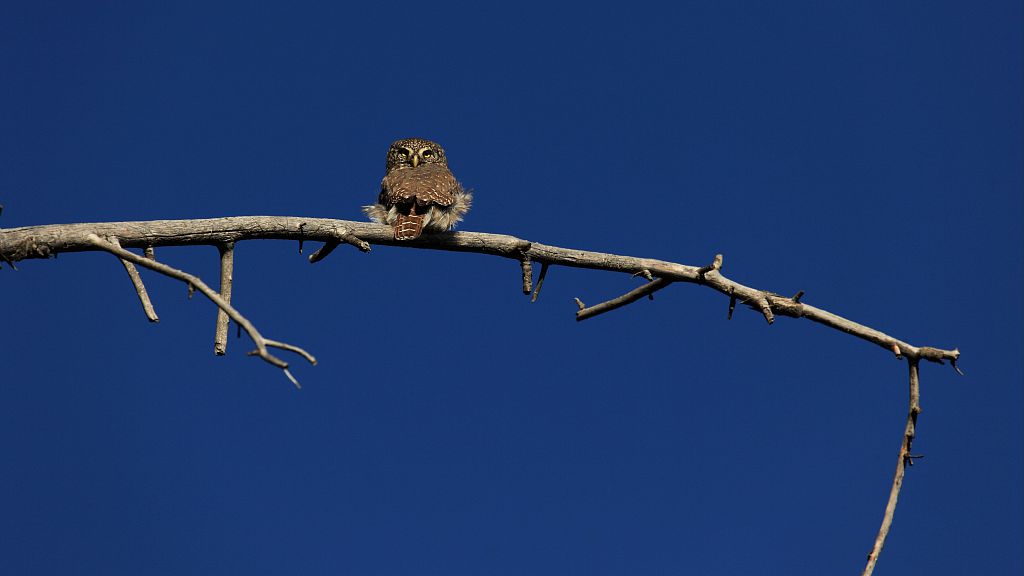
(902, 462)
(766, 309)
(540, 281)
(227, 268)
(527, 267)
(194, 281)
(140, 288)
(716, 264)
(284, 346)
(9, 262)
(627, 298)
(323, 252)
(650, 278)
(340, 235)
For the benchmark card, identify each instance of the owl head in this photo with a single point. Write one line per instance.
(411, 152)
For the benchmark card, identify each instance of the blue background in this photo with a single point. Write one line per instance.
(866, 152)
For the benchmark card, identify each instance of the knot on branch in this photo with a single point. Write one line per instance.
(27, 248)
(766, 309)
(645, 273)
(517, 249)
(716, 264)
(896, 350)
(786, 306)
(762, 303)
(938, 356)
(340, 235)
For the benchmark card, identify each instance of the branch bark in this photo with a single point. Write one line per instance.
(905, 459)
(627, 298)
(45, 241)
(140, 288)
(227, 274)
(194, 282)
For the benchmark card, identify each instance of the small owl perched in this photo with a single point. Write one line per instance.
(418, 191)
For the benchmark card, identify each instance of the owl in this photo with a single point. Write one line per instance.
(418, 191)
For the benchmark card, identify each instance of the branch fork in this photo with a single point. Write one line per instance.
(193, 281)
(340, 235)
(47, 241)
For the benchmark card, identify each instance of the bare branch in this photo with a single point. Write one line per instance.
(284, 346)
(323, 252)
(766, 308)
(340, 235)
(905, 459)
(527, 267)
(716, 264)
(227, 268)
(650, 278)
(627, 298)
(540, 281)
(45, 241)
(645, 273)
(140, 288)
(194, 281)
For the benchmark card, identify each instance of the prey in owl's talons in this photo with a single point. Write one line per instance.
(418, 193)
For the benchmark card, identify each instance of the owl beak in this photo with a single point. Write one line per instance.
(415, 160)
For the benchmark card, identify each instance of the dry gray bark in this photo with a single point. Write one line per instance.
(47, 241)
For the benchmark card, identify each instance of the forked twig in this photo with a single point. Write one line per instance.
(340, 235)
(48, 240)
(194, 281)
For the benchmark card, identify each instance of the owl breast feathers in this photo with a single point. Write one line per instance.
(418, 191)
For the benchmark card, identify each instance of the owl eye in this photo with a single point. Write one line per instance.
(428, 153)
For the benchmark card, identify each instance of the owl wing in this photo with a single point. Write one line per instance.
(413, 191)
(428, 184)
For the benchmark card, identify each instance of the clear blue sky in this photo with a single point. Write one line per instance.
(868, 153)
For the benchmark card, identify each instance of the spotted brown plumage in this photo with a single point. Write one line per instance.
(418, 193)
(414, 192)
